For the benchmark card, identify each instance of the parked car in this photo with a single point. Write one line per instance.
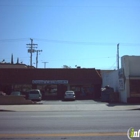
(2, 93)
(35, 95)
(69, 95)
(16, 93)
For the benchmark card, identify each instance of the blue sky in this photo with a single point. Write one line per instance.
(70, 32)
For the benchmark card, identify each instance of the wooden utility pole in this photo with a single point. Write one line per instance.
(118, 56)
(37, 51)
(31, 49)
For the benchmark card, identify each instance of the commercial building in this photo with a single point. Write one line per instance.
(52, 82)
(17, 65)
(126, 80)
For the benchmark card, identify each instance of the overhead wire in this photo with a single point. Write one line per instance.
(13, 40)
(70, 42)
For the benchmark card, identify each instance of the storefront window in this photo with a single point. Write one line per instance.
(48, 90)
(83, 91)
(134, 87)
(22, 88)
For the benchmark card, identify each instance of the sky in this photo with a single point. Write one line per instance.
(81, 33)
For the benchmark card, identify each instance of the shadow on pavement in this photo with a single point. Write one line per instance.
(120, 104)
(135, 109)
(112, 104)
(3, 110)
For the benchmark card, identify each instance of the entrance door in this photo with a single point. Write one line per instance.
(61, 91)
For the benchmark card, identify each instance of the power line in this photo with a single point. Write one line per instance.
(74, 42)
(85, 43)
(114, 64)
(71, 42)
(109, 57)
(13, 40)
(64, 5)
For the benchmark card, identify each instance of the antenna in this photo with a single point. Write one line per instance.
(44, 64)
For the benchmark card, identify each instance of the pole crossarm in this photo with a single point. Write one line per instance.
(31, 49)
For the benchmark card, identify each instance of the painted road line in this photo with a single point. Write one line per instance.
(63, 135)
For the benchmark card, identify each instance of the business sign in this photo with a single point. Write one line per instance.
(121, 84)
(121, 73)
(45, 82)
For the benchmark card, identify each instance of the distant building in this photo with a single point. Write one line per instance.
(9, 65)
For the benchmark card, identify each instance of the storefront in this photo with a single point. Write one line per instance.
(53, 82)
(126, 80)
(134, 87)
(131, 79)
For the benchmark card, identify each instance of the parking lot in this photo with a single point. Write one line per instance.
(71, 102)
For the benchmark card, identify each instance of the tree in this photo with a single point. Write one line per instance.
(17, 60)
(12, 61)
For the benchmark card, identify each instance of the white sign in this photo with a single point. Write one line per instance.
(49, 82)
(121, 84)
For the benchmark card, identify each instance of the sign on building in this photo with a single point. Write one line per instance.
(121, 73)
(121, 84)
(45, 82)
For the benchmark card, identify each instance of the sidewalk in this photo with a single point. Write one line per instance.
(78, 107)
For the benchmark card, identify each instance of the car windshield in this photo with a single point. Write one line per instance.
(34, 92)
(69, 92)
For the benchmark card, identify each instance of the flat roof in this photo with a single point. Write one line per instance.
(25, 76)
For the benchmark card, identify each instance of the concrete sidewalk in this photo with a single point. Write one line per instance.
(79, 107)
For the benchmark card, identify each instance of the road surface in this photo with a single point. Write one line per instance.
(100, 125)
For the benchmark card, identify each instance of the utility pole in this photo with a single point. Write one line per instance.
(118, 56)
(44, 64)
(31, 49)
(37, 51)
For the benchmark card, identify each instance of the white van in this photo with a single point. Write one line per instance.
(35, 95)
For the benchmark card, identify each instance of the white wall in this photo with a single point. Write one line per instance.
(110, 78)
(134, 65)
(131, 66)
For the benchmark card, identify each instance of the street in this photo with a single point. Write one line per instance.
(68, 124)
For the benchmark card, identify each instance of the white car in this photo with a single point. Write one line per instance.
(69, 95)
(35, 95)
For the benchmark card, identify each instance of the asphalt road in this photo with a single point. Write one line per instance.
(68, 125)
